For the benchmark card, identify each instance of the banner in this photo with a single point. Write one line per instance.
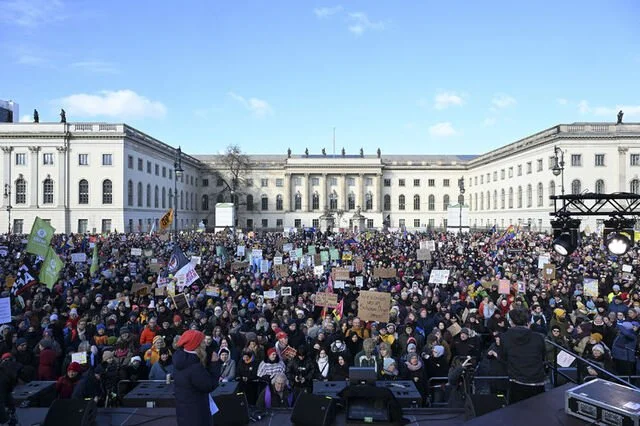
(177, 260)
(188, 273)
(166, 220)
(50, 269)
(40, 237)
(24, 279)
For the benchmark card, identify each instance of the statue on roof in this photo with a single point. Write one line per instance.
(379, 153)
(620, 114)
(361, 153)
(63, 116)
(36, 116)
(306, 152)
(324, 152)
(289, 153)
(343, 152)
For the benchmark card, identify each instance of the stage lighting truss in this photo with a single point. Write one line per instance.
(566, 235)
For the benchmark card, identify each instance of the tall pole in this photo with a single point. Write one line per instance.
(460, 202)
(7, 196)
(177, 172)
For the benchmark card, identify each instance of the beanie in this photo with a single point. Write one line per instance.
(598, 347)
(439, 350)
(156, 339)
(191, 339)
(177, 318)
(281, 335)
(107, 355)
(74, 366)
(271, 351)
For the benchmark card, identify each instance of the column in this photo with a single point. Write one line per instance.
(6, 179)
(34, 180)
(286, 197)
(60, 191)
(360, 191)
(378, 194)
(324, 202)
(305, 193)
(622, 170)
(343, 192)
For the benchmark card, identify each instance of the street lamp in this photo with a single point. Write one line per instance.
(558, 166)
(460, 202)
(7, 196)
(177, 171)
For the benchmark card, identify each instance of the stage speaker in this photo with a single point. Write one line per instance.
(71, 412)
(233, 409)
(479, 405)
(313, 410)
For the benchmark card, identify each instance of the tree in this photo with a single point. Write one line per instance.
(235, 167)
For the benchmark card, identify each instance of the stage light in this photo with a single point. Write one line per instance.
(619, 235)
(566, 235)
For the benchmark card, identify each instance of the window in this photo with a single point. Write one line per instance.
(83, 159)
(576, 160)
(156, 197)
(401, 202)
(149, 167)
(181, 197)
(148, 195)
(279, 223)
(164, 197)
(265, 202)
(416, 223)
(495, 176)
(315, 181)
(264, 183)
(297, 223)
(106, 225)
(107, 192)
(171, 203)
(552, 191)
(369, 223)
(400, 182)
(205, 182)
(635, 186)
(599, 188)
(519, 197)
(416, 202)
(445, 203)
(140, 164)
(107, 160)
(18, 226)
(21, 191)
(401, 223)
(170, 174)
(351, 201)
(21, 160)
(482, 201)
(502, 199)
(265, 223)
(446, 183)
(368, 181)
(297, 181)
(510, 172)
(47, 159)
(47, 191)
(351, 181)
(157, 168)
(552, 162)
(539, 164)
(529, 167)
(279, 183)
(481, 179)
(488, 200)
(130, 193)
(510, 198)
(333, 201)
(315, 223)
(83, 192)
(249, 182)
(297, 201)
(333, 181)
(529, 195)
(249, 202)
(368, 201)
(219, 198)
(279, 202)
(315, 201)
(495, 200)
(416, 182)
(431, 182)
(130, 161)
(599, 160)
(635, 159)
(519, 169)
(432, 223)
(387, 182)
(83, 224)
(386, 202)
(432, 202)
(540, 194)
(502, 174)
(140, 194)
(576, 187)
(205, 202)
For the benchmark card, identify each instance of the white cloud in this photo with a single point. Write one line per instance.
(503, 101)
(258, 107)
(444, 100)
(31, 13)
(324, 12)
(124, 104)
(98, 67)
(359, 22)
(562, 101)
(583, 107)
(26, 118)
(489, 121)
(442, 129)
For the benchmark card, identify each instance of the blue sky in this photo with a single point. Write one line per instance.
(421, 77)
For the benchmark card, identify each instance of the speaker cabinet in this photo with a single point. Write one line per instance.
(233, 409)
(71, 412)
(313, 410)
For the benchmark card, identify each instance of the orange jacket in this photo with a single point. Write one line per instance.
(147, 335)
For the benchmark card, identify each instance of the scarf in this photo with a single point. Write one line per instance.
(323, 366)
(412, 367)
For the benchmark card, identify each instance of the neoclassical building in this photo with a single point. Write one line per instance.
(86, 177)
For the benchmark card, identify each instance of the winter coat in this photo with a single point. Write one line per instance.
(524, 352)
(47, 365)
(64, 386)
(624, 345)
(88, 387)
(159, 371)
(193, 383)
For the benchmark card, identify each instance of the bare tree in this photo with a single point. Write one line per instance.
(233, 173)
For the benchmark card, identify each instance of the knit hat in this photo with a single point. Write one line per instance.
(53, 317)
(156, 339)
(439, 350)
(271, 351)
(107, 355)
(281, 335)
(411, 347)
(558, 312)
(74, 366)
(177, 318)
(125, 330)
(191, 339)
(597, 337)
(21, 341)
(6, 355)
(134, 359)
(598, 347)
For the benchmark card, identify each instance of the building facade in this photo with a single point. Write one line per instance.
(99, 177)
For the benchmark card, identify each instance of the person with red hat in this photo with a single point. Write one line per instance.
(193, 380)
(66, 383)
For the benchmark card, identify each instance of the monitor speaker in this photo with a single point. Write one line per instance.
(233, 409)
(313, 410)
(71, 412)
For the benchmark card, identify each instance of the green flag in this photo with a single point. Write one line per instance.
(50, 269)
(94, 261)
(40, 237)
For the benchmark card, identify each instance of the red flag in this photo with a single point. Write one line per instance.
(338, 310)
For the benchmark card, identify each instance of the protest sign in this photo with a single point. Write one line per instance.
(374, 306)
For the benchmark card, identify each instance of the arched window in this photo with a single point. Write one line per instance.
(401, 202)
(351, 201)
(488, 200)
(386, 202)
(482, 201)
(250, 202)
(445, 203)
(576, 187)
(21, 191)
(431, 205)
(148, 195)
(265, 202)
(529, 195)
(279, 202)
(156, 197)
(297, 201)
(416, 202)
(368, 201)
(502, 199)
(315, 201)
(47, 191)
(164, 197)
(599, 186)
(83, 191)
(107, 191)
(475, 201)
(635, 186)
(205, 202)
(510, 198)
(171, 198)
(540, 194)
(333, 201)
(552, 191)
(140, 194)
(519, 197)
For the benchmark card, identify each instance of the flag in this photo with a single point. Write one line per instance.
(94, 261)
(509, 234)
(166, 220)
(222, 252)
(24, 280)
(40, 237)
(338, 310)
(50, 269)
(177, 260)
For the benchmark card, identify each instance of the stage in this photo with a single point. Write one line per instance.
(546, 409)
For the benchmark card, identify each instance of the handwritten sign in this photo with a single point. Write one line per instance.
(270, 294)
(136, 251)
(78, 257)
(5, 310)
(423, 254)
(359, 281)
(340, 274)
(504, 287)
(329, 300)
(281, 271)
(439, 276)
(285, 291)
(374, 306)
(590, 287)
(384, 273)
(549, 271)
(79, 357)
(277, 260)
(543, 259)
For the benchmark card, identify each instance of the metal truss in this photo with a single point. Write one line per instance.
(591, 204)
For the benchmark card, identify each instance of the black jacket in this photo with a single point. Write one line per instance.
(193, 382)
(524, 352)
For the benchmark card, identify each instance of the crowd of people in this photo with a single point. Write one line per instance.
(97, 334)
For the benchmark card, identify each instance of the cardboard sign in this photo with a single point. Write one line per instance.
(454, 329)
(239, 266)
(543, 259)
(180, 301)
(148, 253)
(504, 287)
(549, 271)
(329, 300)
(281, 271)
(317, 259)
(269, 294)
(374, 306)
(159, 292)
(340, 274)
(358, 263)
(136, 252)
(627, 268)
(285, 291)
(423, 254)
(140, 288)
(384, 273)
(78, 257)
(277, 260)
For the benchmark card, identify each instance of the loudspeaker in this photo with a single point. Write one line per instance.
(313, 410)
(71, 412)
(479, 405)
(233, 409)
